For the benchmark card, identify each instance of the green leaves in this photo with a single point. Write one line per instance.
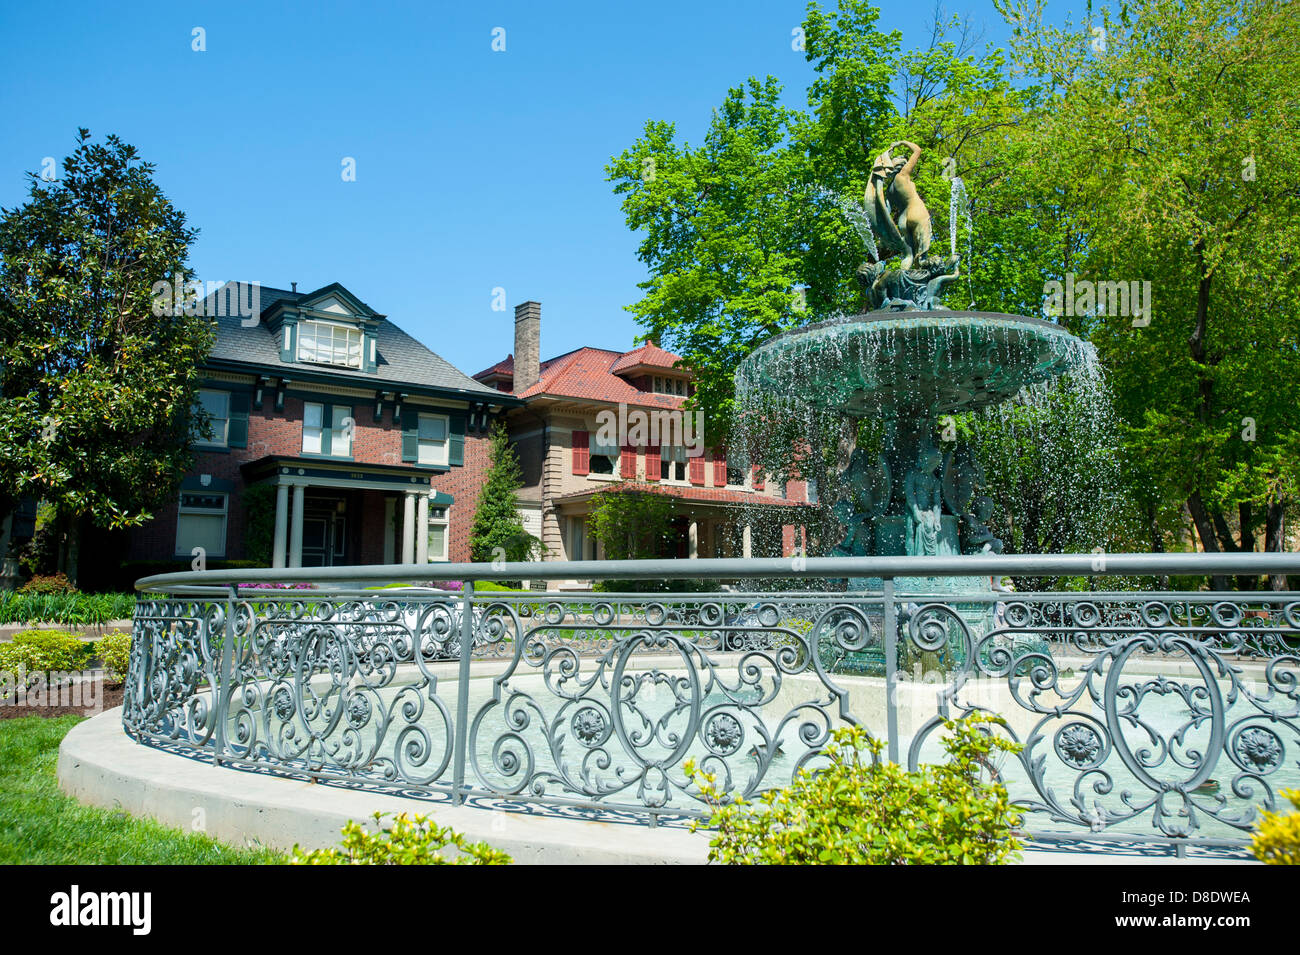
(97, 393)
(410, 840)
(859, 810)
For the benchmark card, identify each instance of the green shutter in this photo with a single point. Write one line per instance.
(237, 434)
(410, 434)
(456, 450)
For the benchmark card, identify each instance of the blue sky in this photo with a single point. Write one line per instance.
(475, 169)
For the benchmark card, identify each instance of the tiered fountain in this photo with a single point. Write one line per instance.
(906, 364)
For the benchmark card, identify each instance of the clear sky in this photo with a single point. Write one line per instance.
(475, 169)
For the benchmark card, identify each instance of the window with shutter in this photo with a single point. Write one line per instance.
(627, 463)
(653, 464)
(697, 471)
(581, 453)
(720, 468)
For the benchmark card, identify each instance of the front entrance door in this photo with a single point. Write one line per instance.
(324, 534)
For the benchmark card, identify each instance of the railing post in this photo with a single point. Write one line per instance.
(461, 729)
(891, 666)
(221, 692)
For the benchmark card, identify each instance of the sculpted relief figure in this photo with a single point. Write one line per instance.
(924, 496)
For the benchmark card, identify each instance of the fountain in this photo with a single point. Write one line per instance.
(903, 366)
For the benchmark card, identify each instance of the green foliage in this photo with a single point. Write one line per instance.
(858, 809)
(498, 531)
(1174, 148)
(631, 525)
(259, 524)
(98, 401)
(44, 651)
(39, 825)
(410, 840)
(48, 584)
(75, 609)
(1277, 841)
(740, 239)
(114, 652)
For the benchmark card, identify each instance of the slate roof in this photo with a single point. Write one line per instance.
(591, 373)
(400, 358)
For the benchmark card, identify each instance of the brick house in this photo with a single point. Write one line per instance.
(372, 448)
(566, 460)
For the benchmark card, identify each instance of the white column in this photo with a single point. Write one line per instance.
(295, 533)
(693, 536)
(408, 528)
(747, 543)
(281, 544)
(422, 530)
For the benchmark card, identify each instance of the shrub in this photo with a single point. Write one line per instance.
(859, 809)
(409, 841)
(114, 652)
(45, 650)
(1277, 841)
(49, 584)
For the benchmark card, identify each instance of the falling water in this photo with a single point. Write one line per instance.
(856, 214)
(959, 209)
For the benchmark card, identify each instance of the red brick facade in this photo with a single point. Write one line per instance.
(280, 434)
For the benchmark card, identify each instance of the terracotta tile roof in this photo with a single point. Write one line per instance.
(702, 495)
(648, 355)
(587, 373)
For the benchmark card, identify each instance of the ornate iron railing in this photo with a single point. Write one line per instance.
(1142, 714)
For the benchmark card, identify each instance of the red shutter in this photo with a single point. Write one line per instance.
(652, 466)
(627, 463)
(720, 468)
(581, 452)
(758, 478)
(696, 470)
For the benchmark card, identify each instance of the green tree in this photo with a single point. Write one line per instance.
(98, 403)
(632, 524)
(498, 530)
(743, 236)
(1176, 119)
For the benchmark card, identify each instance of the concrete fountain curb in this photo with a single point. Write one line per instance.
(101, 766)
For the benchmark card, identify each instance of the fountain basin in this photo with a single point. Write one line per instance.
(921, 363)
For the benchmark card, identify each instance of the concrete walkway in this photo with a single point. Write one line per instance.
(100, 765)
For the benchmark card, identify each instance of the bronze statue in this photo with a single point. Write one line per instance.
(901, 225)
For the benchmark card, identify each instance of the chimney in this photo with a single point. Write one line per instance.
(528, 344)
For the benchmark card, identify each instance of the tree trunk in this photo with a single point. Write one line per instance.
(1274, 540)
(1205, 530)
(1247, 545)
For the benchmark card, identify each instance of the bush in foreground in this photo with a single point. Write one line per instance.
(1277, 841)
(862, 810)
(410, 840)
(114, 652)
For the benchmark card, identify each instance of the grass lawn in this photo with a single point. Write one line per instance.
(41, 826)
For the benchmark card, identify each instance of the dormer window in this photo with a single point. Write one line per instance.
(669, 386)
(330, 343)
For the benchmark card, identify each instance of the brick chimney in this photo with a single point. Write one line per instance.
(528, 344)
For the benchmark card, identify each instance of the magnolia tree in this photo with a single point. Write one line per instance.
(98, 389)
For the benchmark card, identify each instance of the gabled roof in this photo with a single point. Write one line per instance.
(648, 355)
(587, 373)
(402, 361)
(593, 374)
